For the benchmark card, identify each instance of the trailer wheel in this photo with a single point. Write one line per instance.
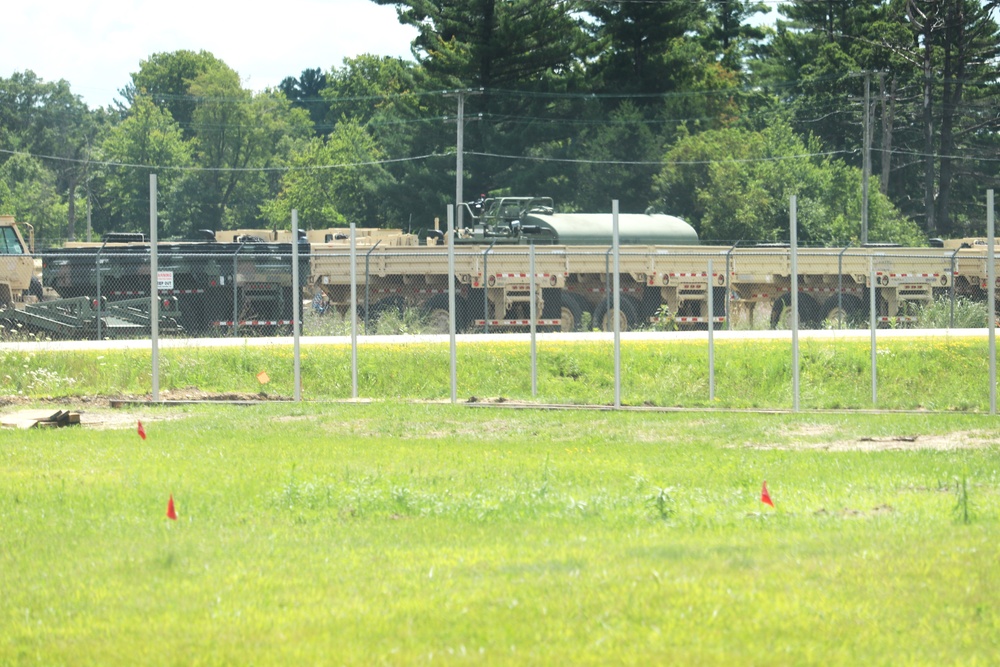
(435, 313)
(781, 312)
(35, 289)
(571, 312)
(845, 311)
(604, 314)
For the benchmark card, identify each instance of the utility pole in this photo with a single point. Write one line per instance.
(459, 156)
(866, 169)
(460, 150)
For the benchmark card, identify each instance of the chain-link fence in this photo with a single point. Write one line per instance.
(376, 284)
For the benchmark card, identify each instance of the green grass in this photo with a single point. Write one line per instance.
(917, 373)
(412, 534)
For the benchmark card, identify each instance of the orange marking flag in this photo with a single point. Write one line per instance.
(765, 497)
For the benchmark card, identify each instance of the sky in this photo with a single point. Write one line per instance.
(96, 44)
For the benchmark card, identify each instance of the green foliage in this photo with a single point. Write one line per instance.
(930, 64)
(625, 140)
(732, 29)
(29, 192)
(516, 58)
(46, 121)
(634, 38)
(733, 184)
(237, 136)
(964, 314)
(148, 136)
(305, 93)
(333, 181)
(166, 77)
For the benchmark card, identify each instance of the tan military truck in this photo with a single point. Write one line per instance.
(17, 263)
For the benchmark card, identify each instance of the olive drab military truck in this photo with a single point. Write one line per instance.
(25, 313)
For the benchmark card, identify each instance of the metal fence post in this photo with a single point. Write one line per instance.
(154, 301)
(951, 291)
(794, 290)
(617, 300)
(991, 272)
(452, 349)
(296, 311)
(533, 313)
(711, 337)
(873, 319)
(98, 267)
(354, 313)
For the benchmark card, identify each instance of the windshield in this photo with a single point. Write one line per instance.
(10, 244)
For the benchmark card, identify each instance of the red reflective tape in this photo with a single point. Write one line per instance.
(250, 323)
(516, 322)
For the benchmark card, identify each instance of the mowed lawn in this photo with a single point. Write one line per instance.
(394, 533)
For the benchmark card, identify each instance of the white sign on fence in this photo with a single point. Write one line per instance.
(164, 280)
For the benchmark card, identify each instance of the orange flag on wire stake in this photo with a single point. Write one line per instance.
(765, 497)
(171, 511)
(141, 431)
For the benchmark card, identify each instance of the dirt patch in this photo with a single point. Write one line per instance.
(946, 442)
(110, 412)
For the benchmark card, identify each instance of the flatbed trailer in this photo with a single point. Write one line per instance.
(666, 278)
(660, 285)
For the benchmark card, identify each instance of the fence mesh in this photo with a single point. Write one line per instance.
(245, 290)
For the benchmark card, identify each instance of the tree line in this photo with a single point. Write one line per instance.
(716, 111)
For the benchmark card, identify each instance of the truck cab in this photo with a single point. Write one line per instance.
(17, 265)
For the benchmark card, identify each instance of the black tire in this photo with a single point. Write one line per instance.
(572, 309)
(435, 312)
(847, 310)
(603, 315)
(781, 311)
(35, 289)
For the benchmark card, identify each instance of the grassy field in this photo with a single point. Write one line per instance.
(943, 374)
(396, 533)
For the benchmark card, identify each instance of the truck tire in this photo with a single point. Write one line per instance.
(846, 311)
(781, 311)
(35, 289)
(571, 313)
(435, 312)
(604, 315)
